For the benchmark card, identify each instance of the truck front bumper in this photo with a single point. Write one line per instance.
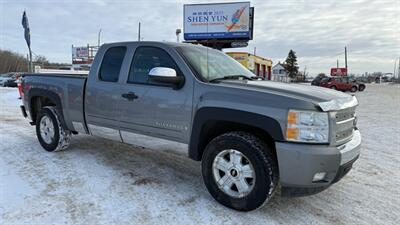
(306, 169)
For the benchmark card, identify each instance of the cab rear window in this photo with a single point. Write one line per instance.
(111, 64)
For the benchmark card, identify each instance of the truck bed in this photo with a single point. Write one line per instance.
(69, 88)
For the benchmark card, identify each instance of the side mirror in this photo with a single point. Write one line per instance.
(165, 75)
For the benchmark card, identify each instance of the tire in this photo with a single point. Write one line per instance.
(333, 88)
(353, 89)
(361, 88)
(51, 134)
(256, 155)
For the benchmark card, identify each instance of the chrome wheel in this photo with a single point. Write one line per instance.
(233, 173)
(47, 129)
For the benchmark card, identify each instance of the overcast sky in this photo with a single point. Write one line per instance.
(316, 30)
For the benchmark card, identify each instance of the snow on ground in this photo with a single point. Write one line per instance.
(101, 182)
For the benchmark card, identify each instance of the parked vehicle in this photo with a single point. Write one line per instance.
(360, 85)
(317, 80)
(4, 78)
(11, 82)
(339, 83)
(251, 136)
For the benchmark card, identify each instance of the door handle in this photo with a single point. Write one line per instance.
(130, 96)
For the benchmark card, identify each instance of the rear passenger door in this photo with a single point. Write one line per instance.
(102, 94)
(158, 109)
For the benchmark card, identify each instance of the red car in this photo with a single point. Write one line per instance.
(342, 84)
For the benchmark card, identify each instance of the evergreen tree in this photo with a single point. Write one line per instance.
(291, 64)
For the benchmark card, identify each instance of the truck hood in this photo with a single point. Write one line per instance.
(326, 98)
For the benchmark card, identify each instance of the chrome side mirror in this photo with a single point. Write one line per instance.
(165, 75)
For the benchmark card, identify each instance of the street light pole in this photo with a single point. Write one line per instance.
(98, 38)
(139, 33)
(177, 32)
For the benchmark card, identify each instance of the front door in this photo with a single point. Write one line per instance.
(156, 109)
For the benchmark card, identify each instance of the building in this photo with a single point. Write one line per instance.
(258, 65)
(279, 73)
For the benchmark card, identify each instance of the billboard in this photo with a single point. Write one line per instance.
(217, 21)
(338, 72)
(80, 52)
(83, 56)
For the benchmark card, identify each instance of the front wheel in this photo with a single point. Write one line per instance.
(239, 171)
(333, 88)
(353, 89)
(361, 87)
(51, 134)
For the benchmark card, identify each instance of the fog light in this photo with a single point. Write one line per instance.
(319, 176)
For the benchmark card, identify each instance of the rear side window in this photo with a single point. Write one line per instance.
(145, 59)
(111, 64)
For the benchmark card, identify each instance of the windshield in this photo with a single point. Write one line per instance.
(212, 64)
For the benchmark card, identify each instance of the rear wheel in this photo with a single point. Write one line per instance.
(239, 170)
(361, 87)
(51, 135)
(333, 88)
(353, 89)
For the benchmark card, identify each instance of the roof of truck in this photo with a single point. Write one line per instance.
(171, 44)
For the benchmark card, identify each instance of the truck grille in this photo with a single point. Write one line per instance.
(345, 125)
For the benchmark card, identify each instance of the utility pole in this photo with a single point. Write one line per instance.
(345, 58)
(337, 63)
(98, 38)
(398, 69)
(255, 49)
(139, 33)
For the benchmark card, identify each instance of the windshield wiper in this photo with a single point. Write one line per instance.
(232, 77)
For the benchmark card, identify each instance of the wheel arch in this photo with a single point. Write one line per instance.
(38, 98)
(210, 122)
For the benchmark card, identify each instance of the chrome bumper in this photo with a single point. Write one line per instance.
(351, 149)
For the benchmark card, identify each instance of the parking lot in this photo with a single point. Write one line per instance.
(98, 181)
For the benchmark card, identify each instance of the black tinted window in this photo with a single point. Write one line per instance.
(111, 65)
(145, 59)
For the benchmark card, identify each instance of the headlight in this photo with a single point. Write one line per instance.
(307, 126)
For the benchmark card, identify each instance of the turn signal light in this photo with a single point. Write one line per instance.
(292, 133)
(292, 117)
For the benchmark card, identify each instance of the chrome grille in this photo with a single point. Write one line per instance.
(344, 125)
(345, 114)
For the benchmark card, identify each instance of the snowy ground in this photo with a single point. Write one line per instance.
(101, 182)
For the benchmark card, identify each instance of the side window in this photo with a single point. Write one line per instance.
(111, 64)
(145, 59)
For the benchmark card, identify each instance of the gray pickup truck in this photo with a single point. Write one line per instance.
(252, 137)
